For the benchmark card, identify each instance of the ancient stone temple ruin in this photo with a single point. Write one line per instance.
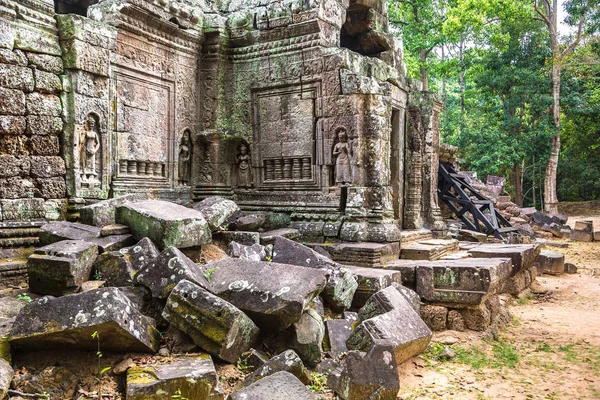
(300, 107)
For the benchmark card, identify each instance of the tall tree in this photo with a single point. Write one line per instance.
(579, 12)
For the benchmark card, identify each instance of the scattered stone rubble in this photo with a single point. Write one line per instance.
(229, 308)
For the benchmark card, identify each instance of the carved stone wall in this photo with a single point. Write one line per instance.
(289, 105)
(32, 173)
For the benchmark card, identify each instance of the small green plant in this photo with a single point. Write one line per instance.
(242, 365)
(45, 396)
(268, 258)
(101, 371)
(97, 275)
(24, 297)
(178, 395)
(318, 382)
(544, 347)
(208, 274)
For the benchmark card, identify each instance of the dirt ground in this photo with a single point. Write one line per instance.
(551, 350)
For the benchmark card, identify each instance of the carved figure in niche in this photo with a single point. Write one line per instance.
(185, 158)
(244, 171)
(90, 146)
(343, 153)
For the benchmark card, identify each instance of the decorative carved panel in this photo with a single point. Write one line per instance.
(286, 138)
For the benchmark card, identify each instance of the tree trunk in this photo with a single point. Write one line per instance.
(461, 80)
(517, 184)
(423, 70)
(550, 197)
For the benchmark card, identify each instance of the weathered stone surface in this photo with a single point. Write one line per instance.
(388, 315)
(550, 262)
(43, 104)
(114, 229)
(102, 213)
(57, 382)
(307, 337)
(338, 332)
(428, 249)
(341, 285)
(287, 361)
(16, 77)
(44, 125)
(216, 210)
(411, 296)
(476, 319)
(570, 268)
(253, 359)
(435, 317)
(583, 231)
(46, 82)
(373, 375)
(163, 273)
(60, 267)
(63, 230)
(471, 236)
(69, 321)
(45, 62)
(12, 125)
(251, 223)
(255, 252)
(365, 254)
(522, 255)
(112, 243)
(371, 281)
(193, 378)
(166, 224)
(6, 375)
(118, 268)
(455, 321)
(465, 281)
(279, 386)
(214, 324)
(269, 237)
(12, 102)
(241, 237)
(271, 294)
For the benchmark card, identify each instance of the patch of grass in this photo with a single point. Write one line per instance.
(525, 300)
(318, 382)
(432, 354)
(569, 351)
(24, 297)
(474, 357)
(505, 354)
(544, 347)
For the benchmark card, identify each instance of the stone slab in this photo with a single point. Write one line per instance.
(69, 322)
(279, 386)
(371, 281)
(522, 255)
(166, 224)
(118, 268)
(61, 267)
(193, 378)
(431, 250)
(466, 281)
(216, 210)
(364, 254)
(215, 325)
(63, 230)
(551, 262)
(271, 294)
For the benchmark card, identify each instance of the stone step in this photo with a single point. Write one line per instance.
(431, 250)
(18, 232)
(19, 241)
(457, 256)
(522, 255)
(364, 254)
(13, 265)
(409, 236)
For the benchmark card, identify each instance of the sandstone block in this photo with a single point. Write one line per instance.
(216, 210)
(465, 281)
(279, 386)
(166, 224)
(46, 82)
(45, 62)
(118, 268)
(69, 322)
(307, 337)
(214, 324)
(103, 212)
(371, 281)
(550, 262)
(12, 125)
(43, 104)
(271, 294)
(256, 252)
(436, 317)
(16, 77)
(287, 361)
(522, 255)
(47, 167)
(44, 145)
(60, 267)
(44, 125)
(63, 230)
(12, 102)
(388, 315)
(50, 188)
(193, 378)
(112, 243)
(373, 375)
(163, 273)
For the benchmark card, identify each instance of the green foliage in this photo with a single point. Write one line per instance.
(24, 297)
(208, 274)
(178, 395)
(318, 382)
(502, 355)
